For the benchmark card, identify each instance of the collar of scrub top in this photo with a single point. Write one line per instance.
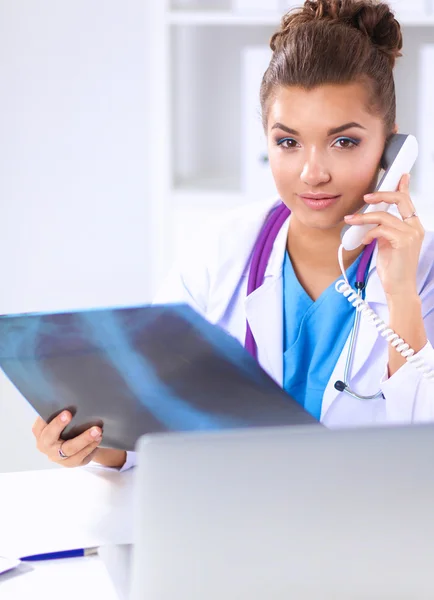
(261, 255)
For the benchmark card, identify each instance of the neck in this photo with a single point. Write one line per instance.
(318, 248)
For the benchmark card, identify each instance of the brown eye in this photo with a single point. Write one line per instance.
(287, 143)
(346, 143)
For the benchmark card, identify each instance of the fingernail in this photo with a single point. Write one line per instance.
(95, 432)
(64, 417)
(349, 217)
(368, 196)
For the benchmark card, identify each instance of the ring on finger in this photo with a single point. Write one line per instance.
(413, 214)
(62, 455)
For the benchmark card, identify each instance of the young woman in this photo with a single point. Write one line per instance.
(328, 106)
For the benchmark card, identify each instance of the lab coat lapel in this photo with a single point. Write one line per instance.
(264, 311)
(365, 340)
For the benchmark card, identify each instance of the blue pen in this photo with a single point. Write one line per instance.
(61, 554)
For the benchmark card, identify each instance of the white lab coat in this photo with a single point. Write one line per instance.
(212, 278)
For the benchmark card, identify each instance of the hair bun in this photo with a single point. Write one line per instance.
(374, 19)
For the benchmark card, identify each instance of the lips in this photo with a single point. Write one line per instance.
(311, 196)
(319, 201)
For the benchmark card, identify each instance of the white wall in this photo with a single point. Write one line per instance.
(76, 226)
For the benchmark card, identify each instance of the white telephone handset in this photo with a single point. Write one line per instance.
(399, 157)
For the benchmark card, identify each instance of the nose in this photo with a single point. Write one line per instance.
(314, 171)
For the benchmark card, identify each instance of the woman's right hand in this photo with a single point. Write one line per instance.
(79, 450)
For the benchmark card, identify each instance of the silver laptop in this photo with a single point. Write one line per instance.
(280, 513)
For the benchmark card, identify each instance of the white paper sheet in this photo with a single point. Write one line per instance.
(63, 509)
(7, 564)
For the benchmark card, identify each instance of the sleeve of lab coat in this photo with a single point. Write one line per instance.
(409, 395)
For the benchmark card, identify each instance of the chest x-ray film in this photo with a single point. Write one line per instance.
(140, 370)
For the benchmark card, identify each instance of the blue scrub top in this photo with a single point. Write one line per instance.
(314, 336)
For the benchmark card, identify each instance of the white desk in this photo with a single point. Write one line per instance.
(43, 511)
(68, 579)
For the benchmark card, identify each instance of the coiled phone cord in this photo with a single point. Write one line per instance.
(343, 287)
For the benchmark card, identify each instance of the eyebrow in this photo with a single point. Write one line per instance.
(332, 131)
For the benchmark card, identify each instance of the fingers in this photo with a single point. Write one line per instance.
(390, 197)
(381, 232)
(77, 444)
(390, 222)
(377, 197)
(80, 458)
(404, 184)
(401, 197)
(376, 218)
(78, 449)
(398, 198)
(51, 432)
(86, 460)
(38, 426)
(396, 238)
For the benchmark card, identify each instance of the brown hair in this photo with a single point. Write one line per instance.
(337, 42)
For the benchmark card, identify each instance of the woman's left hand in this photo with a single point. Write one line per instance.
(399, 241)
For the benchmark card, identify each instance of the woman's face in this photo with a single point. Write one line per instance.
(325, 150)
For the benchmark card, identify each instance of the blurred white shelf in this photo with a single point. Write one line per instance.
(207, 199)
(221, 17)
(227, 17)
(209, 190)
(416, 20)
(202, 193)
